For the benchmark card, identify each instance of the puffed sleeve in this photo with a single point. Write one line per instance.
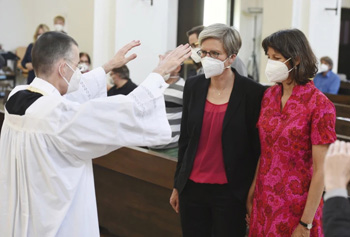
(102, 125)
(323, 121)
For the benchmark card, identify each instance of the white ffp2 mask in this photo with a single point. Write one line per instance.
(213, 67)
(73, 84)
(277, 71)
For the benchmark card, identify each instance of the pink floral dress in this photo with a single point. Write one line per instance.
(285, 171)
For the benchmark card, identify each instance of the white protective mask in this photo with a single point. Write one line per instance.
(58, 27)
(83, 67)
(277, 71)
(213, 67)
(73, 84)
(195, 57)
(324, 67)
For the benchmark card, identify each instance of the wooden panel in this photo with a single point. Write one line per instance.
(342, 110)
(129, 206)
(342, 127)
(142, 164)
(340, 99)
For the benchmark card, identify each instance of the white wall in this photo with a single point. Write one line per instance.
(155, 26)
(245, 25)
(19, 19)
(324, 30)
(104, 31)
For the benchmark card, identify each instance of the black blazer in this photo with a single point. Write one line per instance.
(336, 217)
(240, 138)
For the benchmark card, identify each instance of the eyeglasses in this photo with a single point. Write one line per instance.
(194, 45)
(211, 54)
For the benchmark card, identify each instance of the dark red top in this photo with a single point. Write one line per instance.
(208, 166)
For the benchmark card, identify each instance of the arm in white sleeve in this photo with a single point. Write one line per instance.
(92, 85)
(102, 125)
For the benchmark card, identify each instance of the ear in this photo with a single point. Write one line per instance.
(232, 58)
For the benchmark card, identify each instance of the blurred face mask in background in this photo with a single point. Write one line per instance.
(324, 67)
(195, 57)
(58, 27)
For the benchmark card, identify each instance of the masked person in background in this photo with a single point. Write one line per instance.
(55, 126)
(58, 23)
(327, 81)
(84, 62)
(219, 143)
(173, 105)
(192, 35)
(296, 126)
(27, 59)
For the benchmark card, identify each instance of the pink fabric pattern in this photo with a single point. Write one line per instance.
(285, 171)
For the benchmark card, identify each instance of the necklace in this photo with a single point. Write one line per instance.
(219, 92)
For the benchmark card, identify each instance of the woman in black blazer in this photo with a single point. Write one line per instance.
(219, 142)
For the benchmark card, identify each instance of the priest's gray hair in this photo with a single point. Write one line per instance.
(48, 49)
(228, 36)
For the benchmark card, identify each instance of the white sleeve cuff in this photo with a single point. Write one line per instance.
(339, 192)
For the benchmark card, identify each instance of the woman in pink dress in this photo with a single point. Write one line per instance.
(296, 126)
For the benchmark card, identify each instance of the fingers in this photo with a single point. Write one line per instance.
(342, 147)
(126, 48)
(131, 57)
(180, 52)
(331, 149)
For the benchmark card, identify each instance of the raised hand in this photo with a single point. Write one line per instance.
(172, 60)
(120, 58)
(337, 166)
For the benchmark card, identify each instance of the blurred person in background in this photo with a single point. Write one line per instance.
(27, 59)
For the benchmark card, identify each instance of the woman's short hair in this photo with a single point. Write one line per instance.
(82, 54)
(328, 60)
(228, 36)
(292, 43)
(44, 27)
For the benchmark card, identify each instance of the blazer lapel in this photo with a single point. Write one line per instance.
(235, 98)
(200, 100)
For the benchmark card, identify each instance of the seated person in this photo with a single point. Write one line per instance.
(84, 62)
(327, 81)
(122, 82)
(173, 105)
(336, 210)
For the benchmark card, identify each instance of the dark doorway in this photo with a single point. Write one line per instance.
(344, 43)
(190, 14)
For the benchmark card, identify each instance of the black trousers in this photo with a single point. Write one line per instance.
(211, 210)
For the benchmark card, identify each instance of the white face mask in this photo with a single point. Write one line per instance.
(83, 67)
(73, 84)
(324, 67)
(277, 71)
(213, 67)
(58, 27)
(195, 57)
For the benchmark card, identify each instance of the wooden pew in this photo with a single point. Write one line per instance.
(344, 88)
(342, 106)
(133, 187)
